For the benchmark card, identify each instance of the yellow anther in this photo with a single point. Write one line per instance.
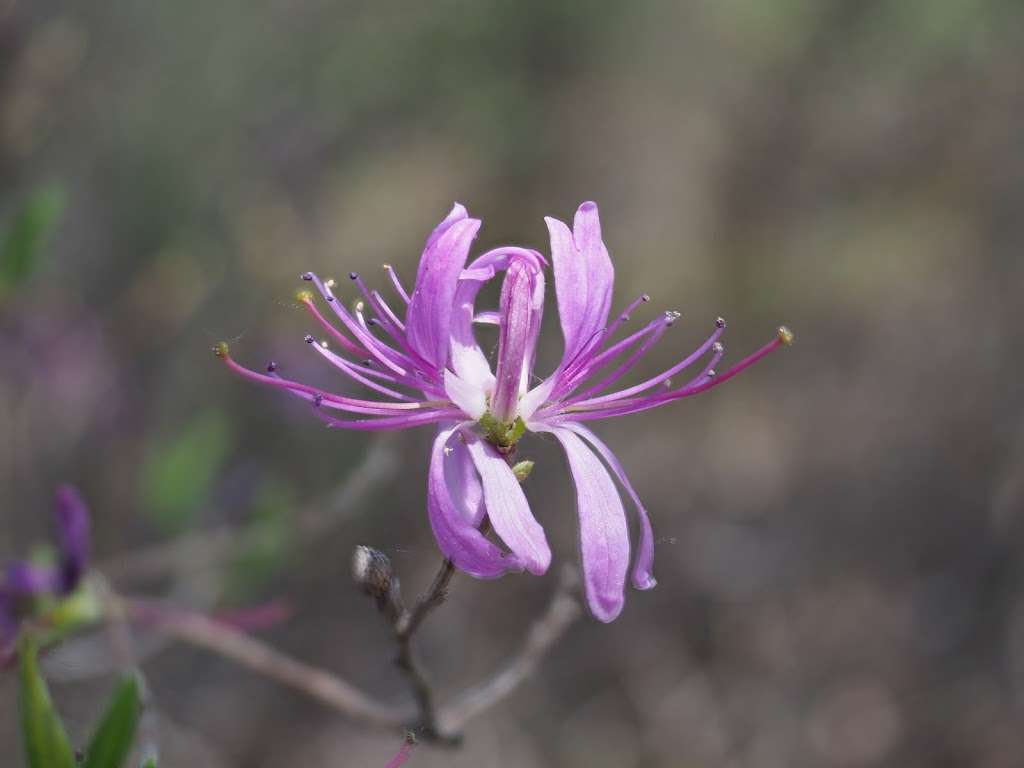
(220, 349)
(304, 297)
(785, 335)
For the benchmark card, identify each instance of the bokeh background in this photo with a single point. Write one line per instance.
(839, 530)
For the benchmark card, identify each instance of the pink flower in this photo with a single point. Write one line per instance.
(425, 360)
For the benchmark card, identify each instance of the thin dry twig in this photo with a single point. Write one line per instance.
(233, 644)
(565, 608)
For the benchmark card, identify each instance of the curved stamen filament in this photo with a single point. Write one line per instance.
(587, 367)
(353, 405)
(628, 365)
(357, 373)
(389, 357)
(399, 289)
(654, 381)
(583, 412)
(306, 298)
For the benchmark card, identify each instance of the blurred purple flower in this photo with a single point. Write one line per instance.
(24, 580)
(426, 360)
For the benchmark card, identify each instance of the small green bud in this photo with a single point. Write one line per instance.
(522, 470)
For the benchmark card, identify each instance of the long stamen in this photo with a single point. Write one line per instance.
(654, 381)
(667, 321)
(585, 368)
(606, 333)
(384, 424)
(392, 317)
(389, 357)
(357, 373)
(583, 412)
(399, 289)
(353, 405)
(383, 317)
(626, 314)
(306, 298)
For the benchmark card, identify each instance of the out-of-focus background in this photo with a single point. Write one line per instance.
(839, 529)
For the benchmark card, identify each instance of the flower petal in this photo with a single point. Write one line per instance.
(430, 307)
(643, 566)
(584, 277)
(507, 507)
(72, 537)
(455, 510)
(604, 535)
(24, 578)
(470, 397)
(522, 304)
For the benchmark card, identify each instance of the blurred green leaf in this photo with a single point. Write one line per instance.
(150, 763)
(113, 738)
(265, 544)
(46, 745)
(64, 615)
(22, 241)
(179, 471)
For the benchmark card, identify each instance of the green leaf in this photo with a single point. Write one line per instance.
(179, 471)
(113, 738)
(150, 763)
(46, 744)
(21, 245)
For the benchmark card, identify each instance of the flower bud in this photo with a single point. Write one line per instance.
(371, 570)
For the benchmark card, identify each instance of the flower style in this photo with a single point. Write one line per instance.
(425, 360)
(24, 581)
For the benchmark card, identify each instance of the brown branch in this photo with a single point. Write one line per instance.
(405, 629)
(439, 726)
(243, 649)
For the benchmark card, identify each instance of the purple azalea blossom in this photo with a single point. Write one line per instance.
(23, 580)
(423, 357)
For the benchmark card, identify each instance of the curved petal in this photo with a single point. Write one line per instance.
(584, 277)
(467, 359)
(604, 535)
(430, 307)
(507, 508)
(522, 304)
(643, 566)
(455, 510)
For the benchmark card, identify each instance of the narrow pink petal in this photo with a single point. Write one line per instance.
(455, 510)
(467, 359)
(522, 303)
(643, 566)
(570, 284)
(430, 308)
(507, 508)
(604, 535)
(600, 273)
